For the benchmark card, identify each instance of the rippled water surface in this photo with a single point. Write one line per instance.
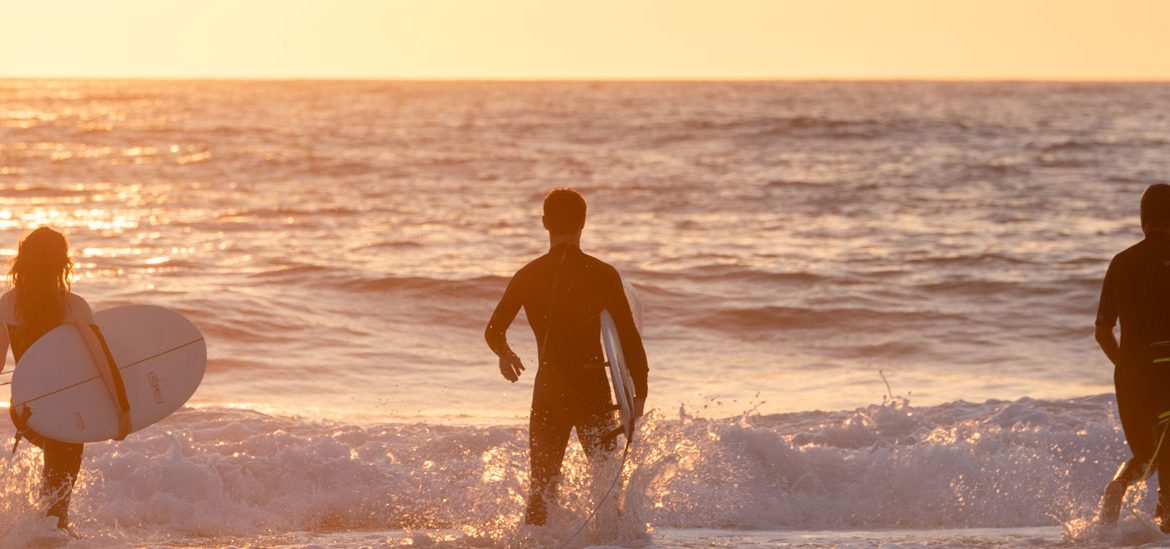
(342, 244)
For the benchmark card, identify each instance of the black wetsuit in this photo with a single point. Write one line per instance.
(571, 388)
(62, 459)
(1137, 290)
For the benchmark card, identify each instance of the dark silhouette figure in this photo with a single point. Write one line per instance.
(39, 301)
(1136, 290)
(563, 293)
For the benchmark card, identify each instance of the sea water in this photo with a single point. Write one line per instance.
(868, 305)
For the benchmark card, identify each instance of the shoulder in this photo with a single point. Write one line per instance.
(78, 308)
(522, 278)
(1135, 263)
(1129, 255)
(8, 308)
(600, 267)
(531, 267)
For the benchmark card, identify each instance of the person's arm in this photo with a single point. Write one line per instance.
(7, 316)
(1107, 318)
(496, 333)
(632, 349)
(1108, 343)
(111, 377)
(3, 347)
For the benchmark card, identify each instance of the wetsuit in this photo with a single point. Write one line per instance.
(1136, 290)
(62, 460)
(563, 293)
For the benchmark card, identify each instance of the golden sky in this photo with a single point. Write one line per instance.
(962, 39)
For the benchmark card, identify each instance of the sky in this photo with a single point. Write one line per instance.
(587, 39)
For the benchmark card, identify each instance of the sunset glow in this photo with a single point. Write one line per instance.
(639, 39)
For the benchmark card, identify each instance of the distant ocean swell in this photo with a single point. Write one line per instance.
(228, 472)
(341, 245)
(716, 300)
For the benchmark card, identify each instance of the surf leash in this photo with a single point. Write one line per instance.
(616, 480)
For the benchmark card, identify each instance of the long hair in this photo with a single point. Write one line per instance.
(40, 280)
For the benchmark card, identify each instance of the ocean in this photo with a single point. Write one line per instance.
(868, 305)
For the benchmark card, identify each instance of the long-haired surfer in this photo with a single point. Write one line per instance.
(563, 293)
(1136, 290)
(41, 299)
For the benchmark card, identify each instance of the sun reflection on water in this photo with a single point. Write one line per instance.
(118, 230)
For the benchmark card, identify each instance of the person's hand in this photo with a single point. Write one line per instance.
(511, 366)
(639, 407)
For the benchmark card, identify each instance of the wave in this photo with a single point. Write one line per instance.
(798, 184)
(269, 213)
(350, 281)
(479, 287)
(721, 272)
(391, 245)
(977, 259)
(230, 472)
(781, 127)
(772, 318)
(765, 128)
(1103, 145)
(43, 191)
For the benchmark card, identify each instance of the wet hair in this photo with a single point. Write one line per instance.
(40, 279)
(1156, 206)
(564, 211)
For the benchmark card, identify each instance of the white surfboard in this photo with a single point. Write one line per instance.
(619, 374)
(160, 354)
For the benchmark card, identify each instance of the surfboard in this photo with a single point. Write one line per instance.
(619, 374)
(160, 354)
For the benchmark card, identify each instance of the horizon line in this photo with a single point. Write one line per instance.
(607, 79)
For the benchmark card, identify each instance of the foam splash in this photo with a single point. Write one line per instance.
(219, 473)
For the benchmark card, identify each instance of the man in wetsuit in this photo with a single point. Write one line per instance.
(1136, 290)
(563, 293)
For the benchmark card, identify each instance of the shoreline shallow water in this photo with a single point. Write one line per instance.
(1038, 537)
(224, 474)
(341, 246)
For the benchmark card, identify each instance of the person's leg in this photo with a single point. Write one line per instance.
(62, 465)
(1134, 408)
(594, 432)
(1161, 451)
(548, 434)
(1162, 464)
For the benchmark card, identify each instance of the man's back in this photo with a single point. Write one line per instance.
(563, 293)
(1137, 291)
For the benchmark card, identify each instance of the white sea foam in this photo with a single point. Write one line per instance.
(228, 473)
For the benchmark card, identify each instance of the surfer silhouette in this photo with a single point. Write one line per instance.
(1136, 290)
(40, 300)
(563, 293)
